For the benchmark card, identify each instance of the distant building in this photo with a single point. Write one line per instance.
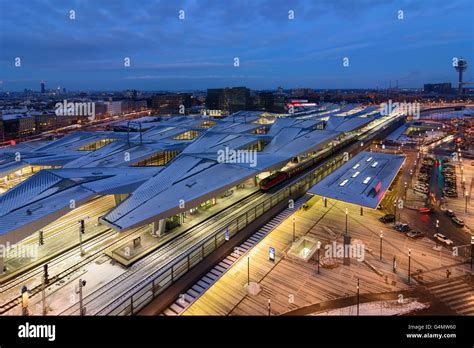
(171, 103)
(18, 125)
(302, 92)
(114, 108)
(229, 99)
(100, 110)
(2, 133)
(43, 89)
(270, 101)
(440, 88)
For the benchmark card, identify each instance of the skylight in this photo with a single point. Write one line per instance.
(367, 179)
(356, 166)
(355, 174)
(343, 183)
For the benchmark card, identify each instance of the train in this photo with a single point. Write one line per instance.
(282, 175)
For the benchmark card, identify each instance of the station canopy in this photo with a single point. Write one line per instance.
(363, 180)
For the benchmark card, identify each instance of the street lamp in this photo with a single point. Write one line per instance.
(269, 307)
(395, 205)
(248, 270)
(381, 238)
(437, 226)
(466, 195)
(406, 186)
(294, 233)
(409, 264)
(346, 220)
(319, 249)
(358, 296)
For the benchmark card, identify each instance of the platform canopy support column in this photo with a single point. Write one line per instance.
(158, 227)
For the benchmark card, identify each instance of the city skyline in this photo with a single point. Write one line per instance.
(198, 51)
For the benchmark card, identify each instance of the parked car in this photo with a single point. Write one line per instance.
(425, 210)
(387, 218)
(449, 212)
(415, 234)
(457, 221)
(402, 227)
(442, 238)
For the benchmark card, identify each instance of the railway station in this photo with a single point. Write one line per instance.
(157, 183)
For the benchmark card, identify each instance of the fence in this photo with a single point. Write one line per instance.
(164, 278)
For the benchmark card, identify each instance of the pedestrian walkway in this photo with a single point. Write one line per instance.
(291, 283)
(458, 294)
(200, 287)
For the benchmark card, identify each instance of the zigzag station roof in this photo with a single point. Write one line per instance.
(363, 180)
(101, 163)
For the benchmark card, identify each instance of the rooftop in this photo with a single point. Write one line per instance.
(363, 180)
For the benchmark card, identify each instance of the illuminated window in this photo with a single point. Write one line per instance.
(367, 179)
(207, 124)
(355, 174)
(96, 145)
(188, 135)
(375, 164)
(159, 159)
(356, 166)
(369, 159)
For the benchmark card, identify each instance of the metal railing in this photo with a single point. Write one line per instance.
(164, 278)
(184, 263)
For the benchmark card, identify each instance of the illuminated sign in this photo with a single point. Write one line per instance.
(271, 254)
(377, 188)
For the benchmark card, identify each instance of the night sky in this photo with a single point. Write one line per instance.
(198, 52)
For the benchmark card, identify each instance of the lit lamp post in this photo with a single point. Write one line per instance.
(294, 230)
(437, 226)
(248, 270)
(269, 307)
(409, 265)
(319, 249)
(406, 186)
(358, 296)
(411, 177)
(395, 205)
(381, 238)
(466, 195)
(346, 220)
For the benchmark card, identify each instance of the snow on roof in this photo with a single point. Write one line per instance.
(195, 175)
(363, 180)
